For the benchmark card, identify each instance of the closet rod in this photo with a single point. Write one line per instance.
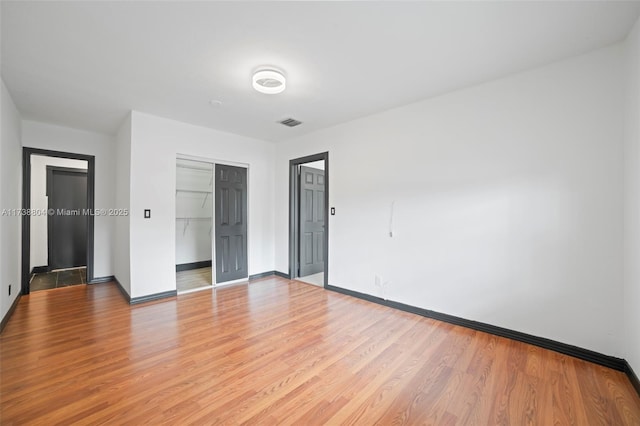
(195, 168)
(193, 191)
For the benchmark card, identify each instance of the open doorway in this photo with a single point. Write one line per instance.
(308, 219)
(57, 235)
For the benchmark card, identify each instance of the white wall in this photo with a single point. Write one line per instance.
(632, 202)
(193, 240)
(508, 202)
(57, 138)
(39, 202)
(11, 178)
(155, 145)
(122, 179)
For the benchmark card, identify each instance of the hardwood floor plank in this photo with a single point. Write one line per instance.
(281, 352)
(382, 397)
(344, 374)
(432, 364)
(567, 397)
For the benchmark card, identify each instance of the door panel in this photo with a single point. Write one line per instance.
(237, 208)
(224, 206)
(311, 221)
(307, 250)
(231, 223)
(67, 227)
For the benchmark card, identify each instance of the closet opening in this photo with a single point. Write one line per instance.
(194, 225)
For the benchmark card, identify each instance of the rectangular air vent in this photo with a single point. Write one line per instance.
(290, 122)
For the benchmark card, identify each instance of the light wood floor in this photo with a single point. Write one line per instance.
(193, 278)
(282, 352)
(315, 279)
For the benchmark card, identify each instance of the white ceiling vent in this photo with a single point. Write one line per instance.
(290, 122)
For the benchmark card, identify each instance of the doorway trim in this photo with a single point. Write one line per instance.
(26, 205)
(294, 198)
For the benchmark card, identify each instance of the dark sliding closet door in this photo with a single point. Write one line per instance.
(231, 223)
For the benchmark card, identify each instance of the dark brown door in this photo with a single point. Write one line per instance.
(311, 221)
(67, 222)
(231, 223)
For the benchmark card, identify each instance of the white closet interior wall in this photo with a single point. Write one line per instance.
(194, 210)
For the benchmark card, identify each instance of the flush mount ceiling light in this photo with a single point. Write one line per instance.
(269, 81)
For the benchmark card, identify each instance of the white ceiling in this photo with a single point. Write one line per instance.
(85, 64)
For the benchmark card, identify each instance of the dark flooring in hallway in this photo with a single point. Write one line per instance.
(56, 279)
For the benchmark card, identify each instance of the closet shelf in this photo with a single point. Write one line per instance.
(206, 194)
(193, 191)
(187, 222)
(194, 218)
(200, 169)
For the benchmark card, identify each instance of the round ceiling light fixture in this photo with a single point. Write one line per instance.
(269, 81)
